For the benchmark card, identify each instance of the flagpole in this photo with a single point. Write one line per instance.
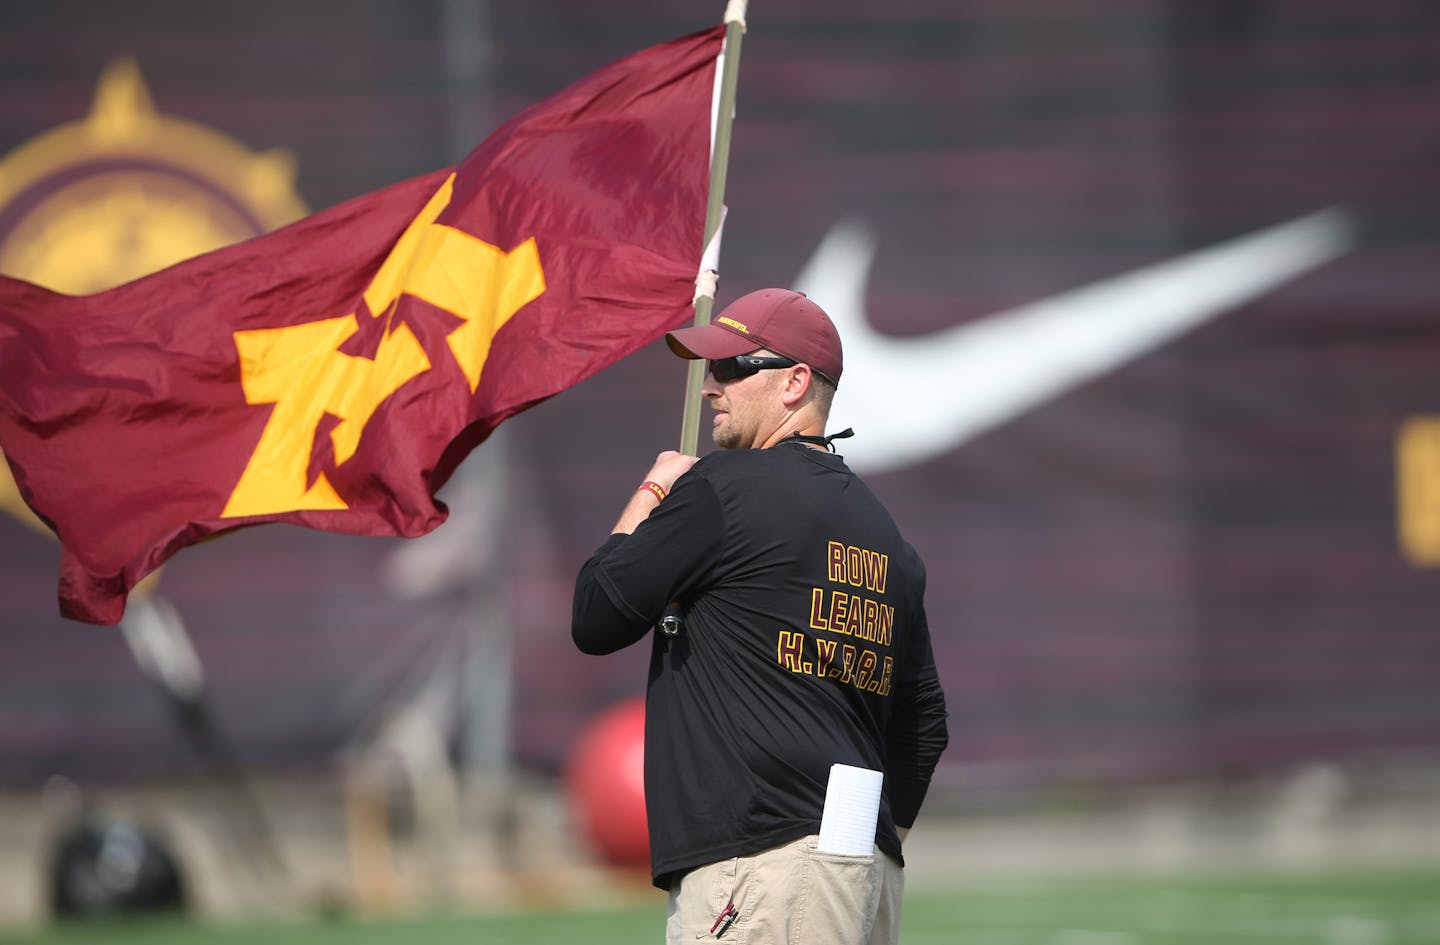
(714, 215)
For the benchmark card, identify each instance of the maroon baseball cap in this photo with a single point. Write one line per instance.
(780, 320)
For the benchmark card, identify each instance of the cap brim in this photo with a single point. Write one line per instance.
(709, 342)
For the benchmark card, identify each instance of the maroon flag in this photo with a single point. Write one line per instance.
(335, 372)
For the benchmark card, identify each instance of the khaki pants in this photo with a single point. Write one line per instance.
(790, 895)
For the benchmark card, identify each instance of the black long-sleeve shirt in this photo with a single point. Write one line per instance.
(805, 644)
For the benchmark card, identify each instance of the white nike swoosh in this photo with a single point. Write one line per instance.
(912, 399)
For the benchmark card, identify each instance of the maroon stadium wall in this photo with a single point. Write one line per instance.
(1204, 555)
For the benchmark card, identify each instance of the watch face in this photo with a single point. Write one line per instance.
(127, 191)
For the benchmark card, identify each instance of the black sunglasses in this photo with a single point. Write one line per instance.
(728, 369)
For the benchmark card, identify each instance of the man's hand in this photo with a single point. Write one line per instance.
(668, 467)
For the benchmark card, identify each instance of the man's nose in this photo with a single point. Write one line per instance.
(711, 387)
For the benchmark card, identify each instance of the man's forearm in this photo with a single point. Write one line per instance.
(637, 510)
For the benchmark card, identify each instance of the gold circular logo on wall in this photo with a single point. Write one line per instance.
(127, 191)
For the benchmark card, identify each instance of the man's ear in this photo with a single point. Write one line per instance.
(797, 384)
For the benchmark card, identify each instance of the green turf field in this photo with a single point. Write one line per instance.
(1391, 908)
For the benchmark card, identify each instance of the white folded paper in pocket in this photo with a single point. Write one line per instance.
(852, 806)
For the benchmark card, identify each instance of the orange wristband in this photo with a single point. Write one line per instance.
(655, 489)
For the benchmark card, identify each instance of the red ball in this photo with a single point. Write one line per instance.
(605, 781)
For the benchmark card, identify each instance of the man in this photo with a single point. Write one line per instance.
(803, 644)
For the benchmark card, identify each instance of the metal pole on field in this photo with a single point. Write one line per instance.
(714, 213)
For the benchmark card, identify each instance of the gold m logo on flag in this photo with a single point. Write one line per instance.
(302, 371)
